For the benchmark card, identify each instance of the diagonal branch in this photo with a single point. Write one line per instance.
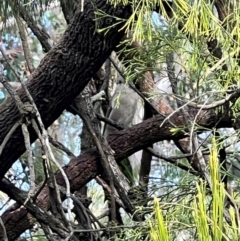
(40, 33)
(42, 216)
(82, 169)
(62, 74)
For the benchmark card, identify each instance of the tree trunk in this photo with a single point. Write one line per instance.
(63, 73)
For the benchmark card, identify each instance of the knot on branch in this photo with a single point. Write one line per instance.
(27, 110)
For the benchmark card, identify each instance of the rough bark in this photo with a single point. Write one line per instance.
(63, 73)
(69, 9)
(82, 169)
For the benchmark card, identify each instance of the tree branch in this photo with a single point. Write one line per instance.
(82, 169)
(62, 74)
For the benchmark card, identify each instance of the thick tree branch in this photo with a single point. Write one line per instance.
(62, 74)
(82, 169)
(60, 77)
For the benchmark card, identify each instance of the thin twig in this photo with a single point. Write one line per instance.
(42, 216)
(49, 155)
(153, 109)
(25, 132)
(39, 190)
(104, 162)
(9, 134)
(11, 21)
(83, 208)
(105, 186)
(77, 202)
(218, 103)
(5, 237)
(30, 160)
(193, 140)
(118, 177)
(10, 90)
(26, 50)
(44, 136)
(61, 146)
(40, 33)
(110, 122)
(173, 161)
(108, 228)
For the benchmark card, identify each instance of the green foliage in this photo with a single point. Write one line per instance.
(159, 227)
(188, 206)
(31, 6)
(191, 27)
(126, 168)
(205, 215)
